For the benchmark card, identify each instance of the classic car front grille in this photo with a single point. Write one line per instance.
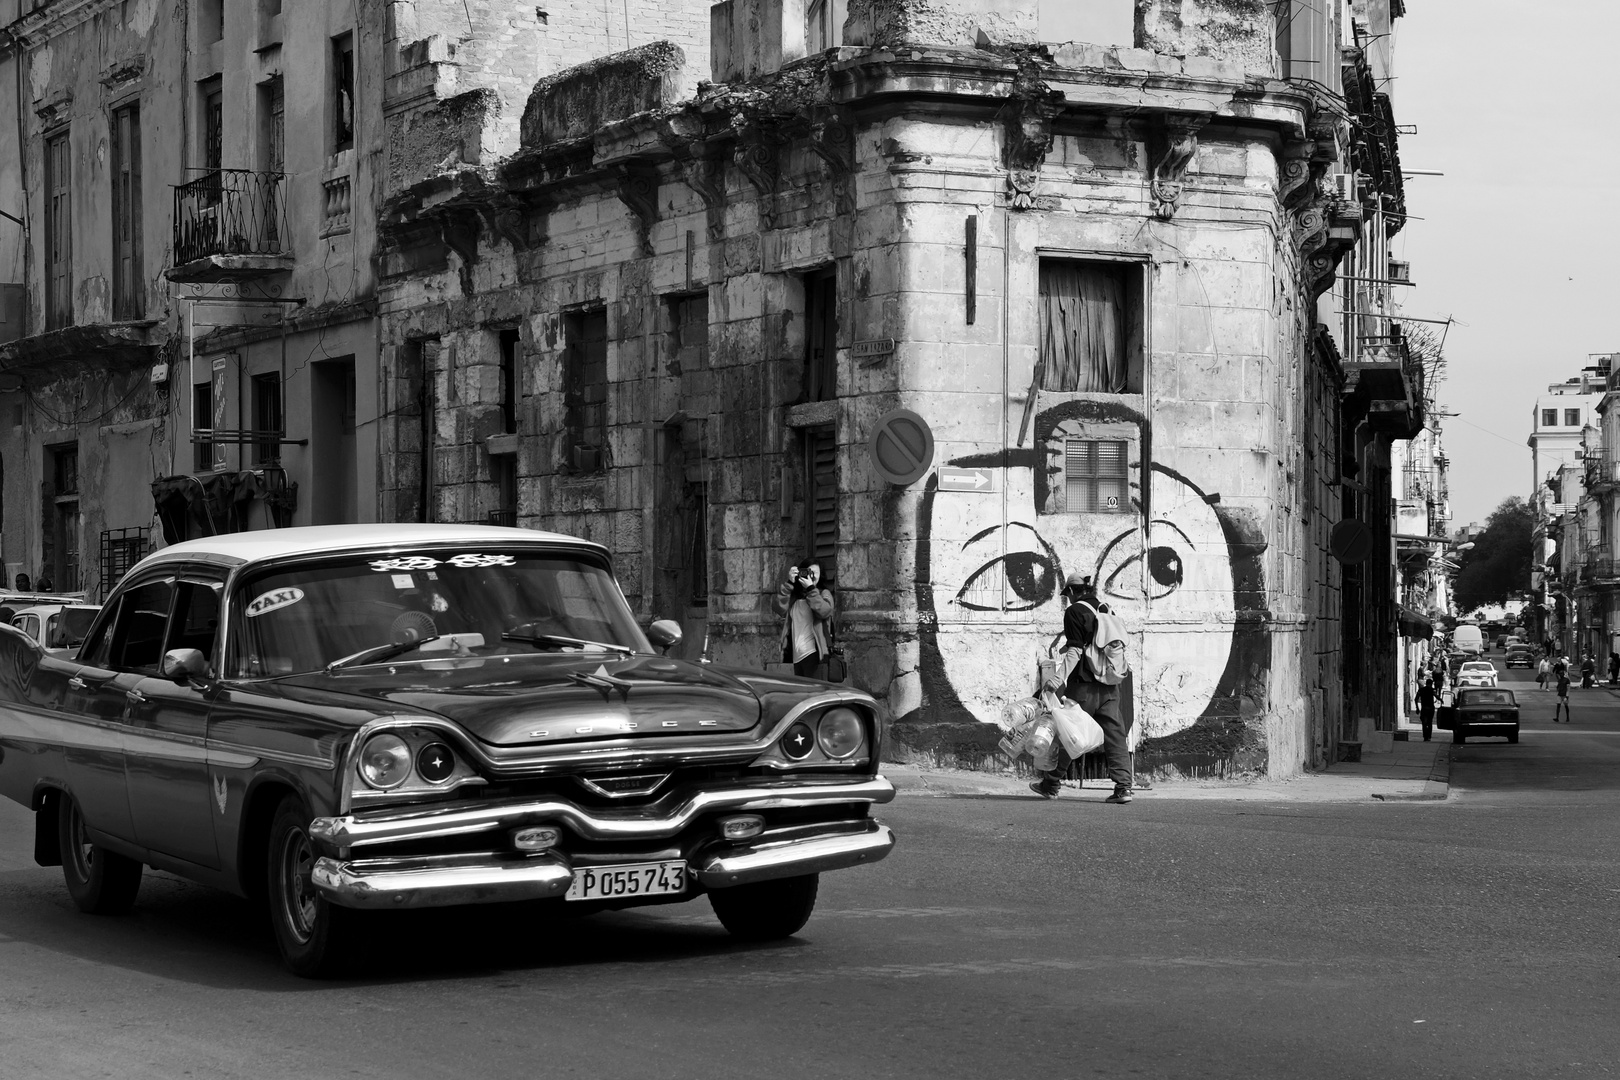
(680, 780)
(697, 834)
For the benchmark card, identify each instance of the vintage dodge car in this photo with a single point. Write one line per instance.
(345, 718)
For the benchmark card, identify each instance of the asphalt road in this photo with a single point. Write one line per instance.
(1007, 937)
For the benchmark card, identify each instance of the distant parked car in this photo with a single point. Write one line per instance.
(1482, 712)
(1520, 656)
(1476, 673)
(59, 629)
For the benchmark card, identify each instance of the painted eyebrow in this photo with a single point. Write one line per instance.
(982, 533)
(1112, 544)
(1173, 525)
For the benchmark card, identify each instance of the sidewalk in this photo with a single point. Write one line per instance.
(1415, 771)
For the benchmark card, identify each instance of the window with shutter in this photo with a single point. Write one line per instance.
(585, 388)
(128, 292)
(821, 491)
(1096, 476)
(58, 234)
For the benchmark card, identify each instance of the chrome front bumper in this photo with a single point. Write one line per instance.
(495, 877)
(658, 821)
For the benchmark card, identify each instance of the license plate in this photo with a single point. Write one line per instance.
(628, 879)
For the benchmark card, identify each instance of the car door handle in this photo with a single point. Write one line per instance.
(77, 683)
(134, 697)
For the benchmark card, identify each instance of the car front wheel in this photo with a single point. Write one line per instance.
(101, 882)
(312, 933)
(766, 910)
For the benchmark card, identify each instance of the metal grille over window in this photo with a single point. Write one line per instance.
(120, 550)
(1095, 476)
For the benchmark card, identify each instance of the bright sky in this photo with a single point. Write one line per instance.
(1516, 103)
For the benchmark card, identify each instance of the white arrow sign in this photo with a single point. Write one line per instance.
(965, 479)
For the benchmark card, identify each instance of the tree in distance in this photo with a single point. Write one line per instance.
(1497, 567)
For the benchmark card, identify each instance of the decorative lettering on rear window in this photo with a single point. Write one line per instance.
(276, 598)
(466, 561)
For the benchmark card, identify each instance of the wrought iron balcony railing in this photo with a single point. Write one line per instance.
(230, 212)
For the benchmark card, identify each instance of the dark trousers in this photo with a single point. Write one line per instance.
(1426, 718)
(809, 667)
(1102, 702)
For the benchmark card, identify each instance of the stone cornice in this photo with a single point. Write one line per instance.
(38, 27)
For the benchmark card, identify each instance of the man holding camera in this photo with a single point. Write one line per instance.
(808, 609)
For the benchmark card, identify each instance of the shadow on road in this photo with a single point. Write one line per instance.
(198, 935)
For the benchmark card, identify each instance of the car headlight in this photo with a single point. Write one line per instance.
(840, 733)
(385, 761)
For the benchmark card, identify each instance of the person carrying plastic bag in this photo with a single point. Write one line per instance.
(1091, 666)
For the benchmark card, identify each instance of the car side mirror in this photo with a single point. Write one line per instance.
(185, 666)
(665, 634)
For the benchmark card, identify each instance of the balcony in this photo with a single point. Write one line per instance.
(1386, 383)
(1598, 567)
(230, 225)
(1602, 474)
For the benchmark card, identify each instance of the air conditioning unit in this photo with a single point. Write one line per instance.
(1400, 270)
(585, 459)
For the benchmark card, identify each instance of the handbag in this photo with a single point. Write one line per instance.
(1076, 729)
(837, 667)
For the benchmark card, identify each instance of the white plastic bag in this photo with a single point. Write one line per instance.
(1080, 733)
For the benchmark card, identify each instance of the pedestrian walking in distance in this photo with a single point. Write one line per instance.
(1588, 671)
(1081, 686)
(1614, 668)
(1425, 703)
(807, 608)
(1543, 673)
(1563, 697)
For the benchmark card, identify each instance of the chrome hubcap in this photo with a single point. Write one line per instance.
(81, 851)
(298, 896)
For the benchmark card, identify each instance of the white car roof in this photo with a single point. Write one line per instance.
(248, 547)
(1477, 664)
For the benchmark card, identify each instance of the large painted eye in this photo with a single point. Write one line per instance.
(1120, 568)
(1164, 566)
(1015, 581)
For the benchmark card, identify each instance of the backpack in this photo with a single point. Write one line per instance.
(1106, 656)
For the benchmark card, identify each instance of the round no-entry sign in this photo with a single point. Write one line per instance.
(902, 447)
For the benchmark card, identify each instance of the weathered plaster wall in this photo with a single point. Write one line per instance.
(963, 23)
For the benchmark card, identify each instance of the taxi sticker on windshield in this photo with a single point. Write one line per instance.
(275, 598)
(467, 561)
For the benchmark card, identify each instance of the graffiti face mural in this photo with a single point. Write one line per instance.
(1175, 565)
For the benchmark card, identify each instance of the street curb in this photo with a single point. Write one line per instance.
(1436, 788)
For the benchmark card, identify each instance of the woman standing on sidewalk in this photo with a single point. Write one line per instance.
(1425, 703)
(1563, 696)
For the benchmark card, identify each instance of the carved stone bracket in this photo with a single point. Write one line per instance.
(832, 139)
(1028, 116)
(1305, 162)
(1174, 145)
(638, 190)
(755, 155)
(706, 175)
(458, 228)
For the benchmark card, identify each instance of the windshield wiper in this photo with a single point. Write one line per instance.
(378, 653)
(558, 639)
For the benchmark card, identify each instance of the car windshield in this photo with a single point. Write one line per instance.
(1479, 667)
(1485, 697)
(425, 605)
